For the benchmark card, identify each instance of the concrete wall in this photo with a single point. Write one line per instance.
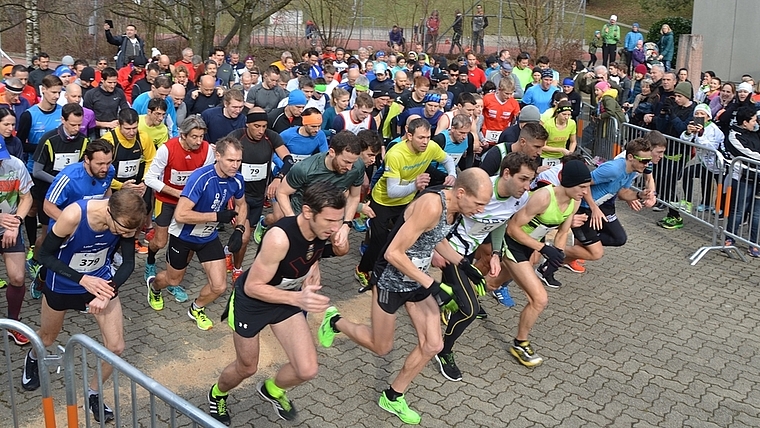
(730, 36)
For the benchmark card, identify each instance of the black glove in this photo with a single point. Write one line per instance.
(236, 240)
(554, 256)
(444, 296)
(225, 216)
(472, 272)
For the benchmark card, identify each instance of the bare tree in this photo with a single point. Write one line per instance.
(542, 22)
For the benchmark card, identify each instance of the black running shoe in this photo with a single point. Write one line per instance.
(217, 408)
(30, 380)
(282, 405)
(448, 367)
(95, 407)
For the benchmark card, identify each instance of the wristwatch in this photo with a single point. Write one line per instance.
(348, 222)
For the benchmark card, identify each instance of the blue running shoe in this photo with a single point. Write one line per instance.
(178, 292)
(360, 223)
(502, 296)
(34, 289)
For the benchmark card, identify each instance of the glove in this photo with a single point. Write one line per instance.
(478, 281)
(554, 256)
(225, 216)
(442, 293)
(236, 240)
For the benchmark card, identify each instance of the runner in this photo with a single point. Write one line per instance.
(510, 193)
(202, 206)
(77, 253)
(399, 276)
(283, 281)
(167, 176)
(548, 208)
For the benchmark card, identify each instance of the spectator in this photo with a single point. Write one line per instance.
(610, 39)
(593, 47)
(683, 76)
(706, 134)
(725, 97)
(431, 31)
(396, 37)
(704, 87)
(631, 41)
(479, 25)
(666, 46)
(130, 45)
(727, 119)
(639, 72)
(643, 104)
(744, 140)
(639, 55)
(456, 27)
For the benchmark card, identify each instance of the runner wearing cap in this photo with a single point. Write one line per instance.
(430, 111)
(541, 95)
(283, 118)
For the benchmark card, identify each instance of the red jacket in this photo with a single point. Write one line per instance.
(30, 95)
(127, 79)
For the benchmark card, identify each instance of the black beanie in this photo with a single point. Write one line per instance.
(574, 173)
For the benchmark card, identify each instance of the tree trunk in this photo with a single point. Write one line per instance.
(32, 29)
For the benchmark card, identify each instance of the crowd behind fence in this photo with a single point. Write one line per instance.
(695, 182)
(81, 354)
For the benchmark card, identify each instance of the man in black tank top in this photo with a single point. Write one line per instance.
(283, 281)
(399, 277)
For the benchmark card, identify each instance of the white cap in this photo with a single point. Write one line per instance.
(154, 52)
(613, 17)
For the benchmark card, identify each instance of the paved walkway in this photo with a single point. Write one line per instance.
(641, 339)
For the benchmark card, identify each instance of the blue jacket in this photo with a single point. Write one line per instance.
(630, 40)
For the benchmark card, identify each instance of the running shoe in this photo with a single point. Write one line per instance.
(32, 266)
(281, 404)
(30, 379)
(178, 292)
(17, 337)
(362, 277)
(3, 283)
(671, 223)
(258, 233)
(228, 261)
(35, 288)
(729, 242)
(362, 248)
(482, 314)
(155, 299)
(326, 334)
(525, 355)
(236, 273)
(399, 408)
(360, 223)
(217, 407)
(754, 251)
(448, 367)
(95, 407)
(140, 248)
(199, 316)
(702, 208)
(502, 296)
(150, 270)
(575, 266)
(659, 207)
(548, 278)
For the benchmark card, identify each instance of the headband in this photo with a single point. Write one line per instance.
(563, 108)
(256, 116)
(312, 119)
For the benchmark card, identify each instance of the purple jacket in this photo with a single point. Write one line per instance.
(88, 122)
(639, 56)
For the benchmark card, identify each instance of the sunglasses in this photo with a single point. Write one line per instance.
(645, 161)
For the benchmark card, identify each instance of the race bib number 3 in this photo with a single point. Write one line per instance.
(422, 264)
(88, 262)
(179, 178)
(62, 160)
(254, 171)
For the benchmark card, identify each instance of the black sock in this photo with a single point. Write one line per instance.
(392, 394)
(519, 342)
(333, 320)
(151, 257)
(30, 224)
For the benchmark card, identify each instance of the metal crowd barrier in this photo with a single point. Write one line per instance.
(676, 176)
(11, 369)
(177, 406)
(742, 204)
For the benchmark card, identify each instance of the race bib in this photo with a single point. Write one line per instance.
(179, 178)
(128, 168)
(254, 171)
(291, 283)
(540, 232)
(550, 162)
(203, 230)
(421, 263)
(62, 160)
(479, 228)
(456, 157)
(88, 262)
(493, 136)
(298, 158)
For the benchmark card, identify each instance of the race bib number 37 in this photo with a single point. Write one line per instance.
(179, 178)
(88, 262)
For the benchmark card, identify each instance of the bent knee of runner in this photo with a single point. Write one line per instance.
(247, 370)
(308, 371)
(117, 348)
(219, 287)
(383, 349)
(595, 250)
(432, 347)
